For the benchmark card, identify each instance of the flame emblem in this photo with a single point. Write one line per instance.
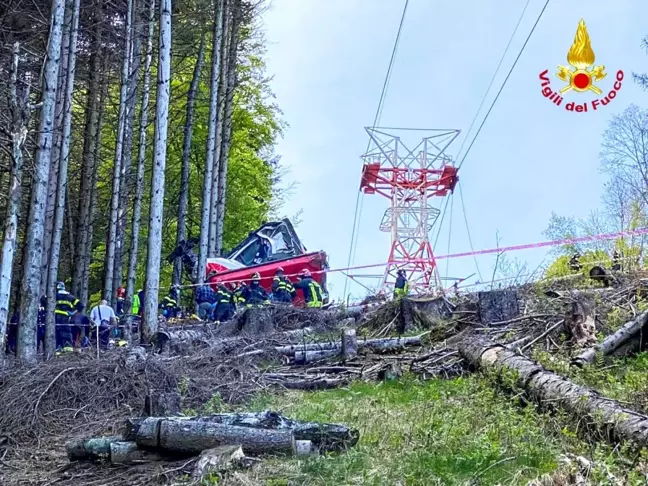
(581, 57)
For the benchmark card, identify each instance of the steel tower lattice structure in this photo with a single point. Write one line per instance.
(410, 179)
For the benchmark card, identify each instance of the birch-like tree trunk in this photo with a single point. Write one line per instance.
(226, 29)
(89, 161)
(34, 243)
(111, 241)
(141, 159)
(19, 112)
(50, 206)
(186, 154)
(211, 142)
(126, 174)
(227, 124)
(59, 213)
(149, 324)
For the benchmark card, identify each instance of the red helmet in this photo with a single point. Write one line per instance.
(305, 273)
(256, 276)
(280, 270)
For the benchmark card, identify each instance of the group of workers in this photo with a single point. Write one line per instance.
(221, 304)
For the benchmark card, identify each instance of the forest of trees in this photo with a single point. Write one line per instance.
(126, 126)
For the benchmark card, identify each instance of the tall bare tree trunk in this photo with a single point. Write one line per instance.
(211, 142)
(111, 242)
(141, 159)
(226, 29)
(186, 154)
(19, 111)
(59, 213)
(126, 174)
(227, 124)
(149, 324)
(86, 187)
(35, 232)
(50, 206)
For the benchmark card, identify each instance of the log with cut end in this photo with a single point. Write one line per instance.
(90, 449)
(392, 343)
(327, 437)
(305, 357)
(192, 437)
(549, 389)
(628, 331)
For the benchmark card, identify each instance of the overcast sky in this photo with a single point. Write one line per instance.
(329, 59)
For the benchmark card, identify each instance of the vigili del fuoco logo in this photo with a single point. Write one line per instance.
(582, 77)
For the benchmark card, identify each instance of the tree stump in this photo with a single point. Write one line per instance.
(257, 320)
(162, 404)
(498, 306)
(349, 344)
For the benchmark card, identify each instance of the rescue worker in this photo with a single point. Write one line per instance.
(254, 294)
(311, 289)
(121, 297)
(238, 293)
(169, 304)
(574, 263)
(66, 305)
(80, 327)
(402, 285)
(137, 307)
(282, 289)
(224, 308)
(206, 299)
(616, 261)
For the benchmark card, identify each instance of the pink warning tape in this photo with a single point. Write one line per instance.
(566, 241)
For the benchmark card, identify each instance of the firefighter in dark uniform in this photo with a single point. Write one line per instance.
(402, 286)
(254, 294)
(169, 304)
(574, 263)
(238, 292)
(66, 304)
(225, 306)
(311, 289)
(616, 261)
(282, 290)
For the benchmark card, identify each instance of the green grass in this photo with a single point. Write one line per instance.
(452, 432)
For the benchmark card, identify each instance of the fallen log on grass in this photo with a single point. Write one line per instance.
(327, 437)
(549, 389)
(193, 437)
(610, 344)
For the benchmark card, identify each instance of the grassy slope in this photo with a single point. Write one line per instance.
(440, 432)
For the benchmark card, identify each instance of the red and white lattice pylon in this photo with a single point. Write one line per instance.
(412, 179)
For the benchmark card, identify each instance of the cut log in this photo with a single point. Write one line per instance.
(392, 343)
(293, 348)
(328, 437)
(305, 357)
(313, 384)
(193, 437)
(349, 344)
(549, 389)
(160, 404)
(498, 305)
(90, 449)
(125, 453)
(630, 330)
(303, 448)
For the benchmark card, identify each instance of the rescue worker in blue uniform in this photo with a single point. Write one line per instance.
(282, 289)
(254, 294)
(402, 286)
(238, 292)
(169, 304)
(311, 289)
(225, 306)
(40, 333)
(66, 305)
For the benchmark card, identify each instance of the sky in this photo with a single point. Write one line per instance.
(328, 60)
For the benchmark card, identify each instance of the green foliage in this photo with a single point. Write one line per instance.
(560, 266)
